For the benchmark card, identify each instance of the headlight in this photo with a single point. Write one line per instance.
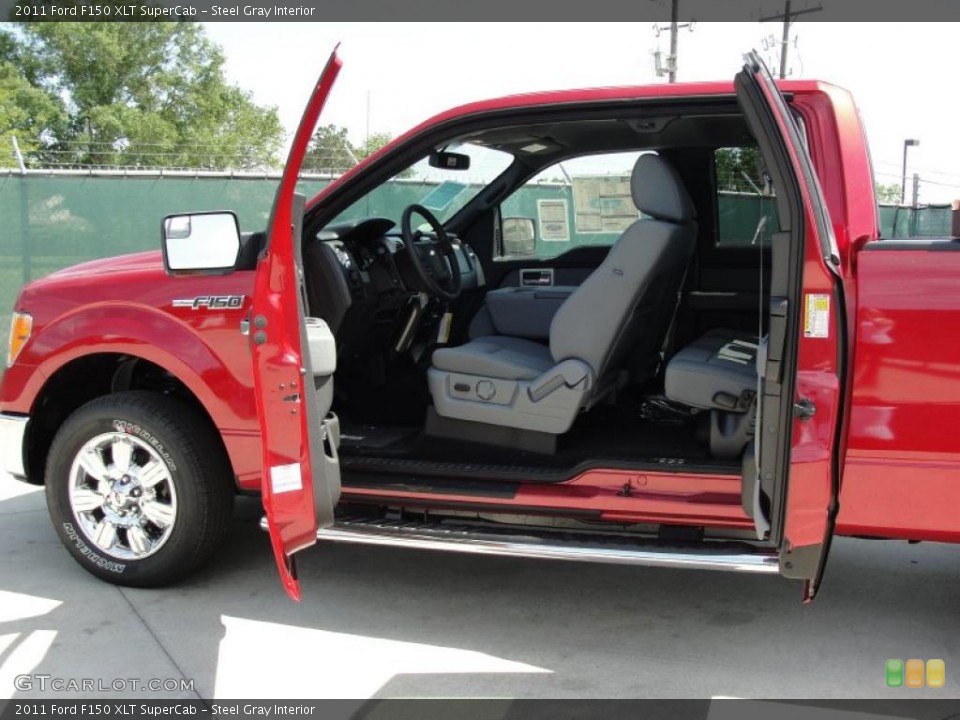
(21, 325)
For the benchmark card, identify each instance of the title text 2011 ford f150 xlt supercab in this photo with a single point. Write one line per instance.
(417, 378)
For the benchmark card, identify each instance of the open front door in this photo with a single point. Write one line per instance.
(299, 487)
(797, 446)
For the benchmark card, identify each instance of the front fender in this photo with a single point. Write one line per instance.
(204, 351)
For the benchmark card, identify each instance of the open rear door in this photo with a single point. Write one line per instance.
(797, 447)
(299, 487)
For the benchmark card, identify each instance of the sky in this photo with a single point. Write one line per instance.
(398, 74)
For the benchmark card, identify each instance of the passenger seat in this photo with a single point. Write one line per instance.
(718, 373)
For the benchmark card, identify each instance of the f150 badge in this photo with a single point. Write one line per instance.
(211, 302)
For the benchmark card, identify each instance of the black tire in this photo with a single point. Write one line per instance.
(196, 464)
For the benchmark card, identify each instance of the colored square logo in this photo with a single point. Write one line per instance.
(914, 673)
(936, 673)
(894, 673)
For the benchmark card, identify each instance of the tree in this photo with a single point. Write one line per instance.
(330, 151)
(738, 170)
(147, 94)
(888, 193)
(372, 144)
(27, 113)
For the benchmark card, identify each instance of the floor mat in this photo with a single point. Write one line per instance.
(375, 437)
(605, 439)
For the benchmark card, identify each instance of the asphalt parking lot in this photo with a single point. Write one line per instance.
(383, 623)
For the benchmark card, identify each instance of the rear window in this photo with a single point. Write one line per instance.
(743, 197)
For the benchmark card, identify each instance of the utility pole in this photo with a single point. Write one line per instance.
(785, 40)
(674, 15)
(18, 155)
(674, 27)
(915, 210)
(907, 144)
(787, 16)
(368, 116)
(24, 213)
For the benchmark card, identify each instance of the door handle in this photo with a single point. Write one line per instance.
(536, 277)
(804, 409)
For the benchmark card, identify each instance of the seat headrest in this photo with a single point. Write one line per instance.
(658, 190)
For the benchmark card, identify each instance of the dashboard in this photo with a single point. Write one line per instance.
(367, 253)
(360, 281)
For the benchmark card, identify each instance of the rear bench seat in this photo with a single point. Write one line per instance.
(718, 372)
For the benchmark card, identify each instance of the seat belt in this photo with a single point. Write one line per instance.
(671, 327)
(760, 524)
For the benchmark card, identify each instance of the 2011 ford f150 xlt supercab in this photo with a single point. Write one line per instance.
(418, 378)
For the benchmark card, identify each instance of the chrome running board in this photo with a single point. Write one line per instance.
(548, 544)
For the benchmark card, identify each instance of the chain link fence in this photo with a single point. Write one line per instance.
(926, 221)
(54, 219)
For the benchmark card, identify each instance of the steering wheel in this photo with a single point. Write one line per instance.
(434, 262)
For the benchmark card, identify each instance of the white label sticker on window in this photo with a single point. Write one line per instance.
(553, 220)
(285, 478)
(816, 319)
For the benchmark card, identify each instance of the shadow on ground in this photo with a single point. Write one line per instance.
(381, 623)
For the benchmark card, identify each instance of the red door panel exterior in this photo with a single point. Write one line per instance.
(287, 482)
(813, 477)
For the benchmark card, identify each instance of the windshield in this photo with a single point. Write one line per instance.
(443, 192)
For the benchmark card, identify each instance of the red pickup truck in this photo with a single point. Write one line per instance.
(670, 396)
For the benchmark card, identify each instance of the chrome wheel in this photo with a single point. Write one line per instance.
(122, 496)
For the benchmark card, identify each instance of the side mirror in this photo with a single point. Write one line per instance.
(449, 160)
(201, 242)
(519, 236)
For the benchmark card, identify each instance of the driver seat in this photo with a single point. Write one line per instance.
(622, 309)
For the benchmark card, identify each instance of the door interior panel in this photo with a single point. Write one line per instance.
(566, 276)
(571, 268)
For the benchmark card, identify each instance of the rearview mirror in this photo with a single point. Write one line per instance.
(449, 160)
(519, 236)
(201, 242)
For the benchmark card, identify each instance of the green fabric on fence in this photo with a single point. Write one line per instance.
(905, 222)
(53, 221)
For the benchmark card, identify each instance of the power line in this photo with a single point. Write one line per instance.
(941, 184)
(124, 143)
(924, 170)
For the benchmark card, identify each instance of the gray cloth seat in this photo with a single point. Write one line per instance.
(496, 356)
(717, 372)
(622, 310)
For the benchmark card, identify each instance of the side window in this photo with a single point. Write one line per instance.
(743, 197)
(579, 202)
